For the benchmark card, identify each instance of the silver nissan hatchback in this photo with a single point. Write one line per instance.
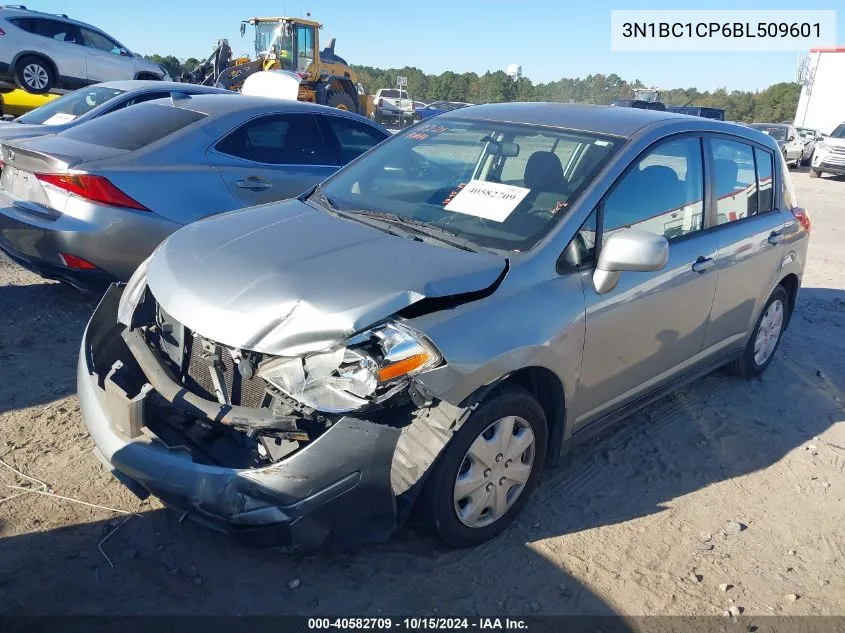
(441, 319)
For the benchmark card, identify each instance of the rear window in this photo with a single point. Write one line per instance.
(135, 127)
(393, 94)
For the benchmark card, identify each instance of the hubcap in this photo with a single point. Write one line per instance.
(35, 76)
(494, 472)
(768, 333)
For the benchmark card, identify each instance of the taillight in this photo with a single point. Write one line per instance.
(94, 188)
(380, 103)
(72, 261)
(2, 32)
(802, 216)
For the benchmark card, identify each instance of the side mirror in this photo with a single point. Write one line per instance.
(632, 250)
(791, 138)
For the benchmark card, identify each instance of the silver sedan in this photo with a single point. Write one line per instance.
(88, 205)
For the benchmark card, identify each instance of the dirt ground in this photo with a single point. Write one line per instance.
(637, 522)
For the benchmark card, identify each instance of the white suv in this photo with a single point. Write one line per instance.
(829, 155)
(42, 51)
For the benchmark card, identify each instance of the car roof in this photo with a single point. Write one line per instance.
(217, 105)
(152, 84)
(612, 120)
(16, 11)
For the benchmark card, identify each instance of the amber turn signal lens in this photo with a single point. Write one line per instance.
(402, 367)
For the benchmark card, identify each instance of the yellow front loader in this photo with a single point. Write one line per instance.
(292, 44)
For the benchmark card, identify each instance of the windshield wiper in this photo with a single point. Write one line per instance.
(434, 231)
(329, 205)
(391, 223)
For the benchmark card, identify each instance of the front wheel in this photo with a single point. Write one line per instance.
(340, 100)
(765, 338)
(815, 173)
(487, 472)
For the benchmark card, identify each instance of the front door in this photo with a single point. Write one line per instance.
(273, 157)
(106, 61)
(652, 325)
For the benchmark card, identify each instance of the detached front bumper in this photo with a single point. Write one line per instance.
(336, 490)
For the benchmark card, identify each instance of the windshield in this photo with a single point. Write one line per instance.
(839, 132)
(805, 133)
(71, 106)
(274, 37)
(777, 132)
(500, 186)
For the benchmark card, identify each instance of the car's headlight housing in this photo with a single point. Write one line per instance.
(825, 147)
(370, 367)
(132, 294)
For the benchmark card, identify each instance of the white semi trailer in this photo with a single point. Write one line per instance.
(822, 77)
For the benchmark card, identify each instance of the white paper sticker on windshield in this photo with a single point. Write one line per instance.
(60, 118)
(488, 200)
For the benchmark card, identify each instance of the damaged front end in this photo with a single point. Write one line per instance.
(303, 452)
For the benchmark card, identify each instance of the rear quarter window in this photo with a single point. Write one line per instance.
(136, 127)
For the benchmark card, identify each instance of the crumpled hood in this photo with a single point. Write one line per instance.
(287, 279)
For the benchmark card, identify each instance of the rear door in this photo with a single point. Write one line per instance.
(62, 43)
(106, 61)
(273, 157)
(749, 229)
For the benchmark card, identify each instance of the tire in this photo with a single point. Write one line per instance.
(148, 77)
(510, 407)
(805, 162)
(815, 173)
(34, 75)
(340, 100)
(750, 366)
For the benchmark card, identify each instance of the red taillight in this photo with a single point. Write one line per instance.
(303, 75)
(380, 103)
(72, 261)
(94, 188)
(802, 216)
(2, 32)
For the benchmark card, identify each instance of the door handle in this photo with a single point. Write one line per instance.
(703, 263)
(254, 183)
(775, 237)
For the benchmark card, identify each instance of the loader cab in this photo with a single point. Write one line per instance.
(292, 42)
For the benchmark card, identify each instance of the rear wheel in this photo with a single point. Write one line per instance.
(34, 75)
(487, 472)
(340, 100)
(765, 338)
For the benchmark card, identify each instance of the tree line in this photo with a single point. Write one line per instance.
(776, 103)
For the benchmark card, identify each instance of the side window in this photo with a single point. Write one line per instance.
(96, 40)
(582, 249)
(60, 31)
(279, 140)
(765, 171)
(734, 180)
(27, 24)
(304, 47)
(663, 193)
(354, 138)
